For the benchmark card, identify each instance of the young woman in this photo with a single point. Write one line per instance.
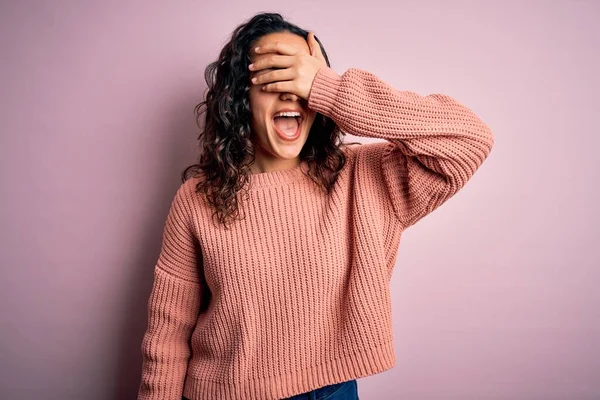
(273, 276)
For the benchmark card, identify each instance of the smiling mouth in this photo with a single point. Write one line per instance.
(284, 127)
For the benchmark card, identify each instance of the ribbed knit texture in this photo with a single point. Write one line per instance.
(296, 296)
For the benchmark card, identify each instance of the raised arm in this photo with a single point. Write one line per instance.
(435, 144)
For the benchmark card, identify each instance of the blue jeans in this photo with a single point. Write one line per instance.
(338, 391)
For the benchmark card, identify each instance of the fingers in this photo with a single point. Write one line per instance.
(273, 76)
(277, 47)
(272, 62)
(281, 86)
(315, 48)
(311, 43)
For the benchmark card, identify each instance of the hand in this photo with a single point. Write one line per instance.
(299, 68)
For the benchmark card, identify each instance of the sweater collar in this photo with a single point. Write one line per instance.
(279, 177)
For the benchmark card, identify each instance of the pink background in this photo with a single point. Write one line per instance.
(495, 294)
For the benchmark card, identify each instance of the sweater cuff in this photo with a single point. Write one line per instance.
(324, 90)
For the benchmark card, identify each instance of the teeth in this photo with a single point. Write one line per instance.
(287, 114)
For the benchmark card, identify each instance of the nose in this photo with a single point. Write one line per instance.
(289, 96)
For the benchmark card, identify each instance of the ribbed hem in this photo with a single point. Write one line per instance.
(324, 91)
(353, 366)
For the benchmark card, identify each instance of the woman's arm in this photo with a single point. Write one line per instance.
(173, 306)
(435, 143)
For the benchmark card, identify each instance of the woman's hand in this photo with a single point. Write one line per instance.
(298, 68)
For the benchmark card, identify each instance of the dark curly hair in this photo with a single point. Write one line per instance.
(226, 151)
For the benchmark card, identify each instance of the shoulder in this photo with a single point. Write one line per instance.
(351, 149)
(186, 195)
(365, 150)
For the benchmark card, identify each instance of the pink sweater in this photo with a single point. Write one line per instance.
(296, 296)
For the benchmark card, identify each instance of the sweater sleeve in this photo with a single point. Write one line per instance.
(173, 306)
(434, 143)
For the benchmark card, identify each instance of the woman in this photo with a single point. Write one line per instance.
(291, 298)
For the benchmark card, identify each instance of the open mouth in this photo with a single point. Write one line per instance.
(288, 128)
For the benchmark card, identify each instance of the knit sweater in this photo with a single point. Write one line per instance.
(296, 295)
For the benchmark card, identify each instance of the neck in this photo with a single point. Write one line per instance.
(277, 164)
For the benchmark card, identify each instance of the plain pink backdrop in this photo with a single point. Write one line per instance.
(495, 294)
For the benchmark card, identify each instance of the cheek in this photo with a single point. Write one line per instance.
(255, 103)
(311, 118)
(252, 97)
(257, 97)
(258, 110)
(260, 102)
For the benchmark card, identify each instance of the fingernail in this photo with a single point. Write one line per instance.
(250, 66)
(256, 49)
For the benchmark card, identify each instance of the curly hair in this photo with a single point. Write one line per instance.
(226, 149)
